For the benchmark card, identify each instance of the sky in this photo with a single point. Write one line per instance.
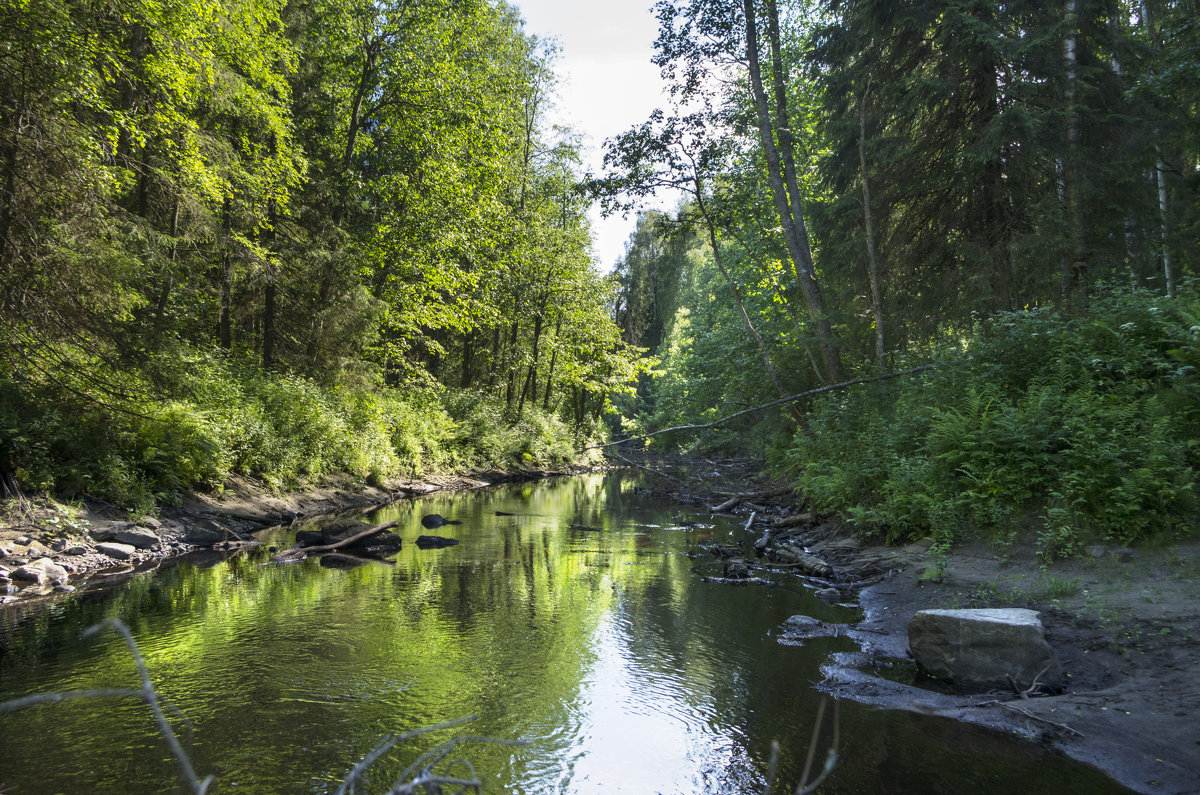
(607, 85)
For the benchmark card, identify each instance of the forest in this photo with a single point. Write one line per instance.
(293, 238)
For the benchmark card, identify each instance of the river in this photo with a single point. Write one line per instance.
(606, 653)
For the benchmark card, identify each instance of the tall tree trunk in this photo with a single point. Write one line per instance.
(494, 364)
(1164, 226)
(225, 329)
(12, 123)
(553, 361)
(468, 359)
(531, 375)
(1074, 280)
(869, 229)
(168, 277)
(1161, 176)
(510, 371)
(791, 216)
(268, 334)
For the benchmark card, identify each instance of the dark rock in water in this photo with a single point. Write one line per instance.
(585, 528)
(736, 569)
(433, 520)
(985, 648)
(343, 562)
(722, 550)
(339, 531)
(309, 538)
(435, 542)
(504, 513)
(205, 533)
(798, 629)
(41, 571)
(828, 594)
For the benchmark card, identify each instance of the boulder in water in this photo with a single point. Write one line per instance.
(435, 542)
(433, 520)
(985, 648)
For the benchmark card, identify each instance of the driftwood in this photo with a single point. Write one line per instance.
(725, 506)
(796, 519)
(300, 553)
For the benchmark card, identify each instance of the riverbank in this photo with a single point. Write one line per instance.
(49, 548)
(1124, 622)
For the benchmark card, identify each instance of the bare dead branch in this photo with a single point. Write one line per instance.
(772, 404)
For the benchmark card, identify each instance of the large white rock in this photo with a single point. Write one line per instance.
(983, 648)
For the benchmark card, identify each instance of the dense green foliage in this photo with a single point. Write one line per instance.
(287, 238)
(1086, 427)
(1007, 191)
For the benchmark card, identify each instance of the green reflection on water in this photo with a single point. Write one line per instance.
(605, 651)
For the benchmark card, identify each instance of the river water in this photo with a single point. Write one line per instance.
(604, 652)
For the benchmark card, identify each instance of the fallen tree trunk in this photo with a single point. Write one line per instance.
(795, 519)
(300, 553)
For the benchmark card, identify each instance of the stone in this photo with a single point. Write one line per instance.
(116, 550)
(984, 648)
(151, 523)
(41, 571)
(433, 520)
(77, 549)
(831, 595)
(136, 536)
(36, 549)
(205, 533)
(107, 532)
(59, 544)
(22, 540)
(802, 623)
(309, 538)
(736, 569)
(62, 586)
(435, 542)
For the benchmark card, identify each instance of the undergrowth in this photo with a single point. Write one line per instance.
(137, 436)
(1035, 424)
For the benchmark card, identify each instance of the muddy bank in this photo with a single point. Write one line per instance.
(1125, 624)
(48, 548)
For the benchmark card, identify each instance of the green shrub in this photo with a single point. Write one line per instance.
(1077, 427)
(219, 414)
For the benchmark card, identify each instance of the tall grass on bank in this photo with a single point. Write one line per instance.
(1073, 428)
(140, 435)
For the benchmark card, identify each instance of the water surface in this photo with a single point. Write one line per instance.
(606, 652)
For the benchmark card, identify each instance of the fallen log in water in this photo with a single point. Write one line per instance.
(296, 554)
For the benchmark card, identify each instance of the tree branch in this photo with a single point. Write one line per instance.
(772, 404)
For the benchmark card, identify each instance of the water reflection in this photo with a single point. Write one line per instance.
(604, 650)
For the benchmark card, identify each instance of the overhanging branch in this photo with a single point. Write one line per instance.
(772, 404)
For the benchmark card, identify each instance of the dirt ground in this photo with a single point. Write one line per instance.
(1124, 623)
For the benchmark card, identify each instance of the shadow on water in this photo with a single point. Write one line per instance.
(602, 648)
